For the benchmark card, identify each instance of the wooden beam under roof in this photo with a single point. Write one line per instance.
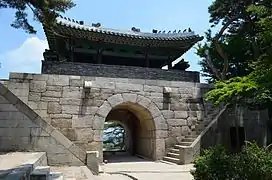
(125, 55)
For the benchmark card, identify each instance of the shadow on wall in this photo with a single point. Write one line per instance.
(235, 126)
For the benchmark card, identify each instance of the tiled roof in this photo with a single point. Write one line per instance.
(129, 33)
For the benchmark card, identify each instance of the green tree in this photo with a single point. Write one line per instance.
(255, 89)
(114, 136)
(44, 11)
(217, 163)
(231, 51)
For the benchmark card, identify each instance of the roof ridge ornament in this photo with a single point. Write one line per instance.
(175, 35)
(135, 29)
(97, 25)
(155, 31)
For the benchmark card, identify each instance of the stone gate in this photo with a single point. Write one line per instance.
(164, 111)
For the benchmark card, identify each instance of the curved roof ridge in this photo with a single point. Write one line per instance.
(75, 24)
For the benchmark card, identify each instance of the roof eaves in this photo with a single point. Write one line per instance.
(132, 34)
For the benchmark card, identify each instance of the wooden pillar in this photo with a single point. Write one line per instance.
(147, 60)
(169, 62)
(72, 54)
(99, 56)
(71, 49)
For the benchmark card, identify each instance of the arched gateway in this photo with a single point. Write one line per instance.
(146, 123)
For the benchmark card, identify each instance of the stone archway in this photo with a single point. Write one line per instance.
(144, 109)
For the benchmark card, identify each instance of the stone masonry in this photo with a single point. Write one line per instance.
(79, 113)
(22, 129)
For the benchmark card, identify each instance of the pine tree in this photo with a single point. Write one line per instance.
(44, 11)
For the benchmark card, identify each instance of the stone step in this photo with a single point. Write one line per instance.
(198, 131)
(170, 159)
(205, 123)
(188, 140)
(194, 133)
(174, 150)
(185, 143)
(200, 126)
(191, 136)
(174, 155)
(180, 146)
(167, 162)
(56, 176)
(211, 116)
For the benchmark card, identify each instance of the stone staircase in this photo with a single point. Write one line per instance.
(173, 153)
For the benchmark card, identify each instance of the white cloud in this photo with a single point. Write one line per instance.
(26, 58)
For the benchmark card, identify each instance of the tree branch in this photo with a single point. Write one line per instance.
(219, 48)
(225, 58)
(211, 65)
(30, 6)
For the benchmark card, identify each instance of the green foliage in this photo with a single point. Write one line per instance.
(240, 42)
(213, 164)
(255, 89)
(245, 91)
(232, 90)
(239, 54)
(114, 135)
(250, 164)
(44, 11)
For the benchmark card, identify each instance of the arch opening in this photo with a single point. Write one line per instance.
(138, 131)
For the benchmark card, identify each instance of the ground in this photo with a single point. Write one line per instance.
(125, 168)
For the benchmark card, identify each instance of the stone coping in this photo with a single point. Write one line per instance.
(35, 118)
(162, 83)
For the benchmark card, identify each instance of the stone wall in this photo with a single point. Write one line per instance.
(21, 129)
(254, 123)
(102, 70)
(79, 112)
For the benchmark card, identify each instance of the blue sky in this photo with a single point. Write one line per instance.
(21, 52)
